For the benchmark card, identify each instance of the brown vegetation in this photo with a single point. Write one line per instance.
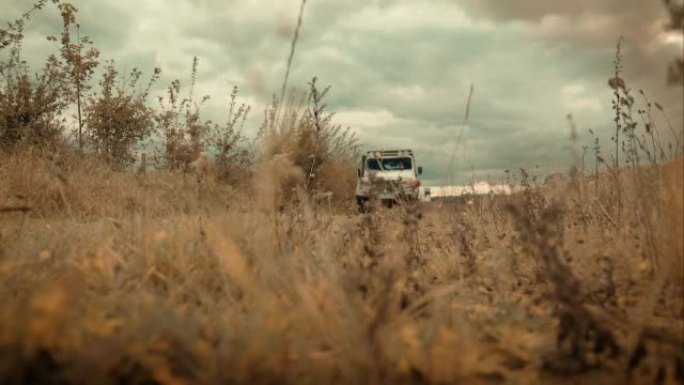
(122, 277)
(250, 265)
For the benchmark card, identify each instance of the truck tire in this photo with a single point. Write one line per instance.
(363, 204)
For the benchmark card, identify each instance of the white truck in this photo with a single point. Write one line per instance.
(387, 176)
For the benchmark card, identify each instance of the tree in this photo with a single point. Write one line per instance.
(117, 119)
(31, 106)
(79, 64)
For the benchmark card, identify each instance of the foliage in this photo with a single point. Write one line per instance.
(322, 151)
(31, 106)
(122, 277)
(117, 119)
(233, 152)
(180, 123)
(78, 66)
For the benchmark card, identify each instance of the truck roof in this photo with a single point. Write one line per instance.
(389, 152)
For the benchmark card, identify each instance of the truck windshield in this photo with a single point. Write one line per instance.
(389, 164)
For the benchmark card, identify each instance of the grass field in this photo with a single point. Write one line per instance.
(115, 277)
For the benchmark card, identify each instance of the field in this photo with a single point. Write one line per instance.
(141, 279)
(242, 268)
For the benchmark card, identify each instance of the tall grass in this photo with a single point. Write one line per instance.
(519, 288)
(183, 276)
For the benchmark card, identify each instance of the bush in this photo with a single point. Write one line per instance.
(117, 119)
(31, 107)
(323, 152)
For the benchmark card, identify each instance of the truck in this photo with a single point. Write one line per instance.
(388, 176)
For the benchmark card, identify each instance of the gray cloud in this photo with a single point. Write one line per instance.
(400, 70)
(537, 9)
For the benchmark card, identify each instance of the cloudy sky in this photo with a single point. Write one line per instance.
(400, 70)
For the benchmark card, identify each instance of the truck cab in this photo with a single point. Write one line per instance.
(388, 176)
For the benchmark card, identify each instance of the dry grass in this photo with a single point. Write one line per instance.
(115, 277)
(68, 186)
(244, 269)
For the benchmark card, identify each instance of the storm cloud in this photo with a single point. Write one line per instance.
(400, 70)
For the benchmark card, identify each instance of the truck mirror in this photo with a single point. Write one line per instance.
(420, 170)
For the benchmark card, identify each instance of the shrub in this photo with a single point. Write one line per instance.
(31, 107)
(117, 119)
(181, 126)
(234, 154)
(323, 152)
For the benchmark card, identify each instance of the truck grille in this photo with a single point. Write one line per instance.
(391, 187)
